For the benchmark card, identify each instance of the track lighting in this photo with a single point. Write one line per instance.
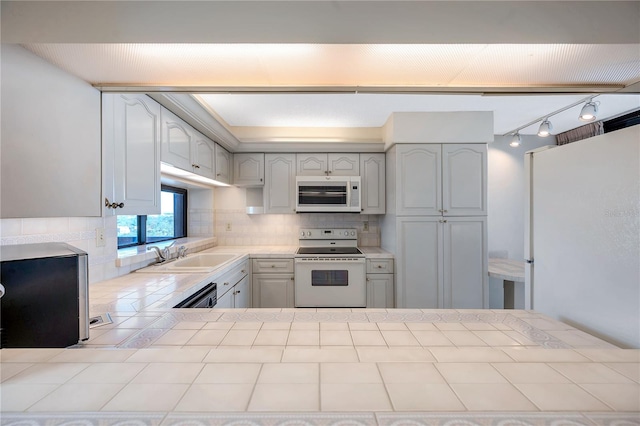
(545, 128)
(589, 111)
(515, 141)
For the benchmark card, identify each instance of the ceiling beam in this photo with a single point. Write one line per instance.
(335, 22)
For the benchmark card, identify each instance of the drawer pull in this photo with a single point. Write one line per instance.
(379, 266)
(225, 283)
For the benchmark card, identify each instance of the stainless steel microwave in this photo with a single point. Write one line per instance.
(328, 194)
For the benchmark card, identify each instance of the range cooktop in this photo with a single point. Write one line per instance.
(329, 250)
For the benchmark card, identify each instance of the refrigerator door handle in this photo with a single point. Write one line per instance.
(529, 261)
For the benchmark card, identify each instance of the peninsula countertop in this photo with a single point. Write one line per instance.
(163, 366)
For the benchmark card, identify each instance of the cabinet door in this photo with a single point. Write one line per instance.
(372, 170)
(223, 165)
(279, 184)
(344, 164)
(226, 301)
(465, 263)
(248, 169)
(418, 265)
(311, 164)
(135, 142)
(273, 290)
(204, 161)
(177, 140)
(418, 184)
(380, 291)
(242, 294)
(464, 179)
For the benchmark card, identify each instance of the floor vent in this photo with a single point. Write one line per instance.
(98, 320)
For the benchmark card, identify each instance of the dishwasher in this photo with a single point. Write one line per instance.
(206, 297)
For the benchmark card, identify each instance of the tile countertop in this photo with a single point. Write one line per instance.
(506, 269)
(165, 367)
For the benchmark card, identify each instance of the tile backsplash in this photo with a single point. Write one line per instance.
(80, 232)
(234, 227)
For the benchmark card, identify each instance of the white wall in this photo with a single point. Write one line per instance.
(51, 142)
(505, 193)
(505, 202)
(586, 235)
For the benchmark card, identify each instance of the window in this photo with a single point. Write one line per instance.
(170, 224)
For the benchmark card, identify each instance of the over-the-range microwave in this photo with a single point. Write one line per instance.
(323, 194)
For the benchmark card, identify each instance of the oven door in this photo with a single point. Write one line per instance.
(316, 196)
(330, 282)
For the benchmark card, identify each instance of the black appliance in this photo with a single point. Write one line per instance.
(46, 300)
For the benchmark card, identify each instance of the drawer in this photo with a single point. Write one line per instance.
(379, 266)
(231, 278)
(266, 266)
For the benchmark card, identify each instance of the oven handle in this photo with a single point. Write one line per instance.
(322, 193)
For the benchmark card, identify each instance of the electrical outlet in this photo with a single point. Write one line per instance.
(100, 241)
(365, 226)
(228, 227)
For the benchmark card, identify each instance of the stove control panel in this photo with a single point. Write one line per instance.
(328, 234)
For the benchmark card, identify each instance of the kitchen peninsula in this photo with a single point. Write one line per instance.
(158, 365)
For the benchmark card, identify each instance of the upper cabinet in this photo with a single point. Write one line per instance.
(131, 132)
(372, 171)
(279, 183)
(336, 164)
(436, 180)
(248, 169)
(186, 148)
(223, 165)
(464, 179)
(418, 181)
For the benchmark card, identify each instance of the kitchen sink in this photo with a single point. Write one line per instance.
(203, 260)
(195, 263)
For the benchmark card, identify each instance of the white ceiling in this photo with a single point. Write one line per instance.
(295, 70)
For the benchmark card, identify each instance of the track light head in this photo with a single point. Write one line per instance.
(589, 111)
(515, 141)
(545, 128)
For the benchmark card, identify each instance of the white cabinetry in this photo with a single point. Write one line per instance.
(186, 148)
(380, 283)
(248, 169)
(336, 164)
(439, 230)
(447, 179)
(233, 287)
(223, 165)
(131, 132)
(272, 283)
(279, 183)
(372, 170)
(464, 179)
(442, 262)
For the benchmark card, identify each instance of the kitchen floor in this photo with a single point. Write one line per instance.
(158, 366)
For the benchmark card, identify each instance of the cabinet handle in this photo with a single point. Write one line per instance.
(273, 266)
(368, 279)
(225, 283)
(218, 174)
(111, 205)
(260, 179)
(292, 279)
(195, 166)
(379, 266)
(445, 211)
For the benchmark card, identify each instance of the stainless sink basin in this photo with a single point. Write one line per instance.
(195, 263)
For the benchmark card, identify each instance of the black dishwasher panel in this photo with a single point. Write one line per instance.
(206, 297)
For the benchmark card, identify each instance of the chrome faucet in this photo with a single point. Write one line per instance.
(166, 251)
(164, 254)
(182, 251)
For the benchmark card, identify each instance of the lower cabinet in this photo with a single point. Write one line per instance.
(233, 288)
(272, 283)
(441, 262)
(380, 283)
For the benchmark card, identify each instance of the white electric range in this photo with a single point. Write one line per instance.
(330, 270)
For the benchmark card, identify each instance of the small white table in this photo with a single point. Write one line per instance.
(510, 271)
